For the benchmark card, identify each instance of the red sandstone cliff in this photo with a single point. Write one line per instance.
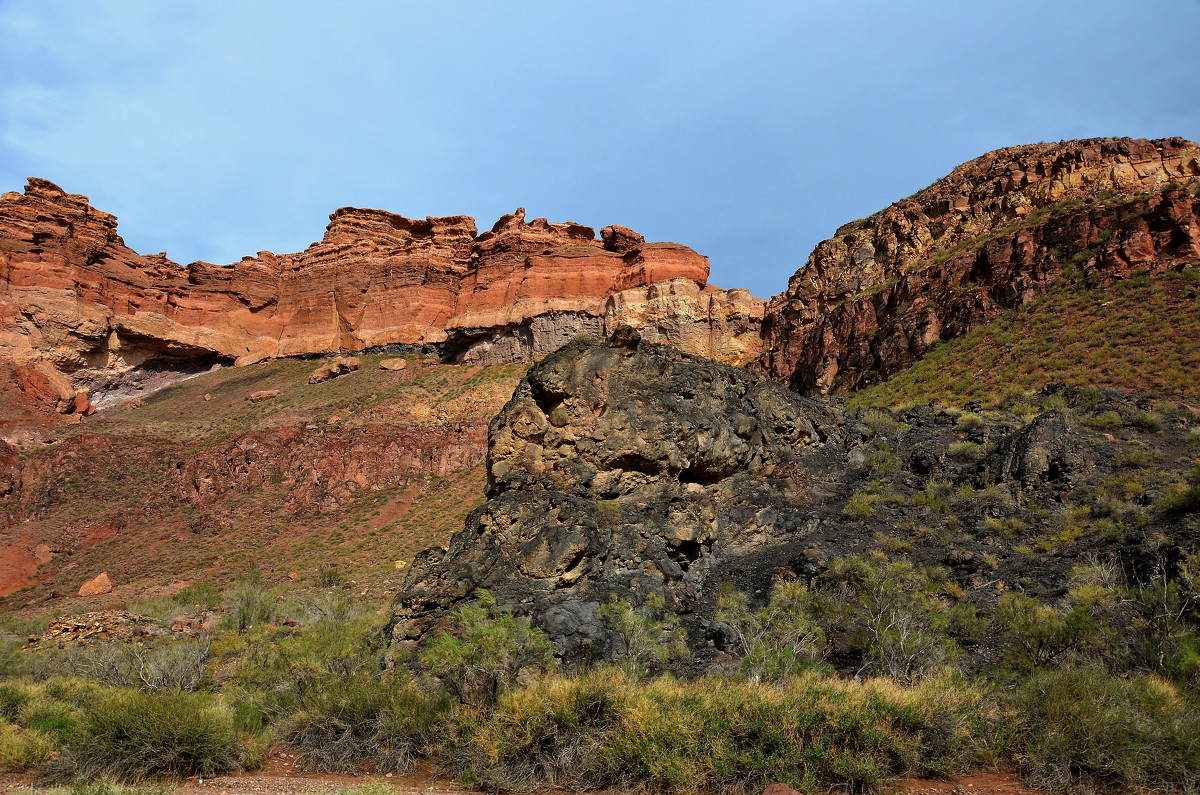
(77, 303)
(998, 231)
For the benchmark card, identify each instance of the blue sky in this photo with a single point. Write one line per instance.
(749, 131)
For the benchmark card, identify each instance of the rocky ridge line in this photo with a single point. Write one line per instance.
(994, 234)
(77, 305)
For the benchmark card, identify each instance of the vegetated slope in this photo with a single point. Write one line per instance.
(996, 233)
(1140, 336)
(200, 482)
(635, 472)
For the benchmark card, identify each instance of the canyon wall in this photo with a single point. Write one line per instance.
(995, 233)
(77, 304)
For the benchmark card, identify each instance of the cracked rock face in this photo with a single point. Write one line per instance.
(628, 469)
(995, 233)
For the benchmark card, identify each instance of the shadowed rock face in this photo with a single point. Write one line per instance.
(628, 469)
(994, 234)
(76, 304)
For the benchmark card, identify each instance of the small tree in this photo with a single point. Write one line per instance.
(895, 611)
(647, 637)
(1039, 634)
(776, 640)
(486, 651)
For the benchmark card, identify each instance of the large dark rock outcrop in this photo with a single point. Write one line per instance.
(629, 469)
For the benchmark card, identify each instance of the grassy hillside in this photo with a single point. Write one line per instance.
(197, 482)
(1139, 336)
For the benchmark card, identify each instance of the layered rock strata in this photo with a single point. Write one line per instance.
(995, 233)
(77, 304)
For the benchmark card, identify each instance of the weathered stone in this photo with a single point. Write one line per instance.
(393, 364)
(630, 470)
(995, 233)
(263, 394)
(620, 239)
(97, 586)
(334, 368)
(74, 300)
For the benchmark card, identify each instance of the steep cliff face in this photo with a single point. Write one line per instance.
(992, 235)
(76, 303)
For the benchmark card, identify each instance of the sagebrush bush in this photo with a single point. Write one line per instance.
(488, 650)
(23, 750)
(646, 637)
(372, 722)
(1085, 727)
(170, 664)
(272, 666)
(130, 735)
(601, 730)
(251, 602)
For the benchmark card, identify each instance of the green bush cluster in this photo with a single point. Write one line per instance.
(1100, 688)
(368, 721)
(602, 729)
(130, 735)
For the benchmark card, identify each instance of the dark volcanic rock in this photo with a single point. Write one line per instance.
(629, 470)
(637, 471)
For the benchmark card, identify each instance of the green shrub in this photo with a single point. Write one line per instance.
(812, 733)
(24, 750)
(600, 729)
(964, 452)
(250, 602)
(1106, 421)
(169, 664)
(1038, 634)
(1146, 420)
(646, 637)
(130, 735)
(363, 722)
(271, 666)
(12, 698)
(969, 421)
(548, 734)
(1085, 728)
(892, 612)
(777, 640)
(329, 576)
(880, 422)
(490, 647)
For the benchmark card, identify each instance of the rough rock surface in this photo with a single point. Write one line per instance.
(77, 305)
(630, 469)
(995, 233)
(334, 368)
(97, 586)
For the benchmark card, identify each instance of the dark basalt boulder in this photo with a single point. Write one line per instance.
(629, 469)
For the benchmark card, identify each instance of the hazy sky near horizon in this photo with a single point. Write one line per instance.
(748, 131)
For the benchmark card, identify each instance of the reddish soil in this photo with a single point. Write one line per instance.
(279, 777)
